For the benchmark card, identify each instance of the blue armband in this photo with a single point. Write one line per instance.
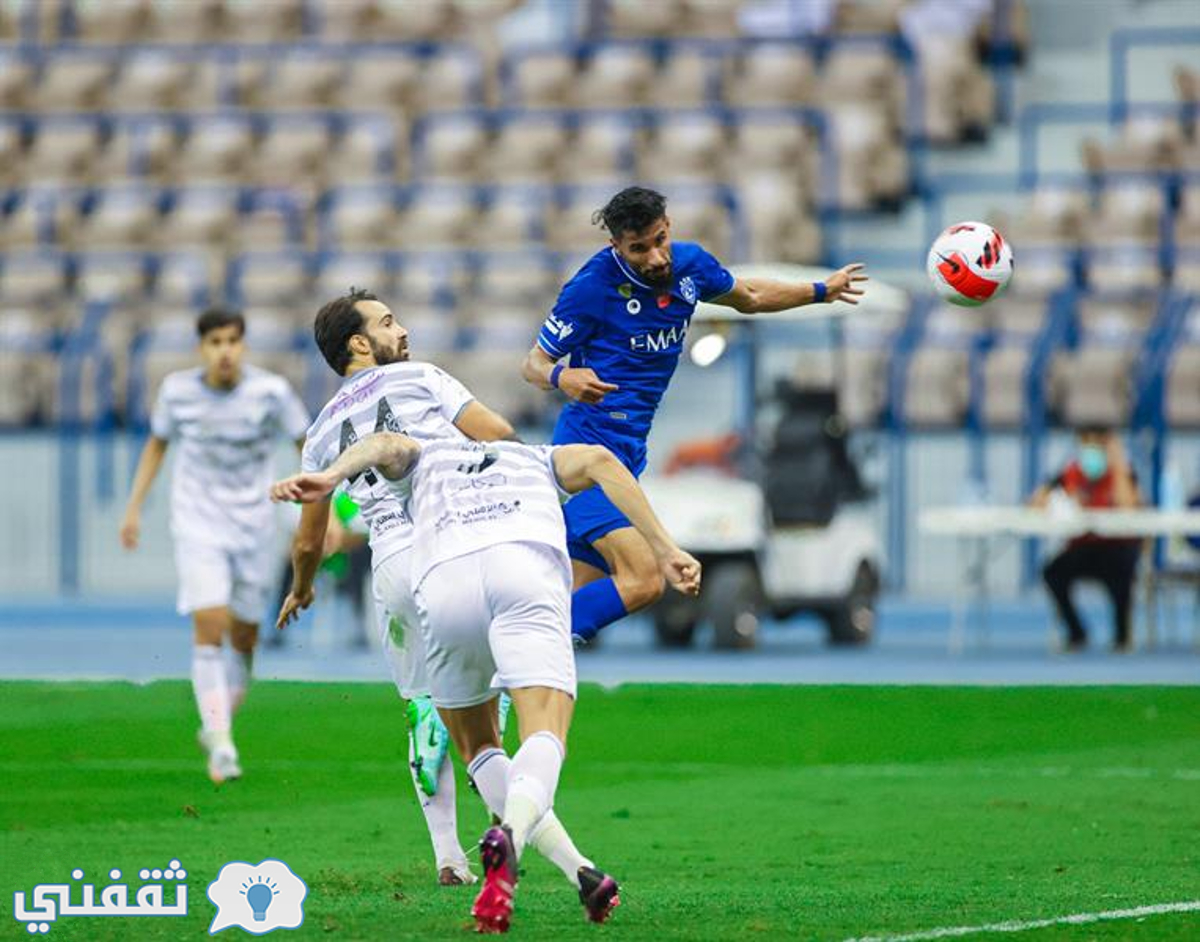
(554, 374)
(819, 291)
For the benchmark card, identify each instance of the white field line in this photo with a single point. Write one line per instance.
(1140, 912)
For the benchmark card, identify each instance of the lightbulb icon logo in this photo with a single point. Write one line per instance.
(259, 898)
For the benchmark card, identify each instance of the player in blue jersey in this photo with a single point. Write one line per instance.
(611, 343)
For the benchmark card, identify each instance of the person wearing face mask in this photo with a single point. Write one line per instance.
(1098, 476)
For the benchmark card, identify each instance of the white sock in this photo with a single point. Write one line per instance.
(440, 813)
(212, 691)
(489, 771)
(532, 781)
(238, 668)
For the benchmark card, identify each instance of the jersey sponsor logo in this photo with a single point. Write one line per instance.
(687, 288)
(633, 306)
(559, 328)
(658, 341)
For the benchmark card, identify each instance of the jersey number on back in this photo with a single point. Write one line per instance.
(385, 421)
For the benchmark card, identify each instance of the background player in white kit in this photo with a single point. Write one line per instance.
(492, 583)
(361, 340)
(226, 417)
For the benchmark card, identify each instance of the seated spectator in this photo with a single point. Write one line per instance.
(1099, 476)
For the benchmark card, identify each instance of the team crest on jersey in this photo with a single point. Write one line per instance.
(687, 288)
(625, 291)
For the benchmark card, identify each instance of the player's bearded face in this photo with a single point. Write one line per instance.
(649, 252)
(389, 349)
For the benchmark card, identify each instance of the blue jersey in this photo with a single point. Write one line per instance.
(630, 334)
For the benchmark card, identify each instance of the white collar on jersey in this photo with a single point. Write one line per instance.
(625, 269)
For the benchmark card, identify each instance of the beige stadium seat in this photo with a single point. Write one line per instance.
(66, 153)
(1090, 386)
(17, 81)
(569, 227)
(185, 278)
(104, 276)
(449, 80)
(293, 155)
(1128, 212)
(600, 149)
(1124, 269)
(543, 79)
(616, 77)
(272, 279)
(864, 73)
(32, 278)
(397, 20)
(425, 281)
(1145, 142)
(527, 149)
(369, 151)
(686, 147)
(363, 218)
(937, 392)
(385, 81)
(712, 19)
(634, 18)
(868, 16)
(154, 367)
(253, 21)
(1182, 405)
(1004, 372)
(778, 146)
(451, 148)
(113, 21)
(154, 80)
(24, 225)
(702, 218)
(1016, 315)
(12, 157)
(521, 280)
(1187, 220)
(371, 272)
(861, 382)
(436, 219)
(1116, 320)
(200, 21)
(1186, 276)
(1040, 271)
(217, 149)
(1052, 216)
(432, 331)
(500, 328)
(770, 74)
(24, 379)
(778, 220)
(684, 80)
(305, 80)
(122, 218)
(958, 97)
(201, 216)
(75, 83)
(490, 375)
(507, 222)
(268, 226)
(872, 165)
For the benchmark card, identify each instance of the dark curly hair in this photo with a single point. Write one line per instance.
(336, 323)
(632, 210)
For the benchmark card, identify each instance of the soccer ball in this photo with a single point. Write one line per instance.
(969, 264)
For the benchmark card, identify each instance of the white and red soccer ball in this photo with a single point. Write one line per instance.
(969, 264)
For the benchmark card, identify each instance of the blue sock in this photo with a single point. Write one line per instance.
(595, 605)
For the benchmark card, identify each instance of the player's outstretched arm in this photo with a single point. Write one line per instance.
(390, 453)
(147, 469)
(766, 295)
(308, 548)
(482, 424)
(581, 466)
(581, 384)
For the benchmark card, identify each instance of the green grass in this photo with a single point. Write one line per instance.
(728, 812)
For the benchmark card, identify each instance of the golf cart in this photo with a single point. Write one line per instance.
(779, 517)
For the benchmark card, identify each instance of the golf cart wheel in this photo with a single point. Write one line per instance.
(733, 602)
(675, 619)
(853, 621)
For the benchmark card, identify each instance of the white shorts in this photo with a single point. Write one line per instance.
(211, 577)
(498, 618)
(401, 640)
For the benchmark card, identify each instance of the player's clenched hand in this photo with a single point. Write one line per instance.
(304, 488)
(292, 606)
(682, 571)
(583, 385)
(843, 284)
(131, 528)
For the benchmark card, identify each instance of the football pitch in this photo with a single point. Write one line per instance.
(733, 812)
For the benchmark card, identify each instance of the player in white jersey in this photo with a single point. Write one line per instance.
(361, 340)
(492, 582)
(226, 417)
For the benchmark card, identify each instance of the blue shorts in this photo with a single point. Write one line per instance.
(591, 515)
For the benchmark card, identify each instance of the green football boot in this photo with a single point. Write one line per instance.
(429, 742)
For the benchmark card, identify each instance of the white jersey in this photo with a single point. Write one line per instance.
(417, 399)
(219, 490)
(467, 496)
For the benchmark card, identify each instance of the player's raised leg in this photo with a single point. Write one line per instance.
(599, 598)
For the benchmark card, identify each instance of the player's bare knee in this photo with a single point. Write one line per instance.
(640, 587)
